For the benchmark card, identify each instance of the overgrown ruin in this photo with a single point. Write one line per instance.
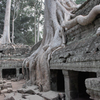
(68, 58)
(11, 59)
(79, 60)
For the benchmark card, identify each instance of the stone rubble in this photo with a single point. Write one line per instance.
(33, 93)
(5, 87)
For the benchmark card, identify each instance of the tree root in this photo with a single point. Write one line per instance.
(82, 20)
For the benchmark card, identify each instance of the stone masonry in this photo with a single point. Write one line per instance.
(12, 56)
(81, 54)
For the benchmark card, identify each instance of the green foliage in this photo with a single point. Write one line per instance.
(80, 1)
(2, 14)
(24, 24)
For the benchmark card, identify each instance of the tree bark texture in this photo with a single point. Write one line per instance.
(6, 33)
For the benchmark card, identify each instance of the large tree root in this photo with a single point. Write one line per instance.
(53, 39)
(83, 20)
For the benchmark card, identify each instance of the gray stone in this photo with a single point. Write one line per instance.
(50, 95)
(34, 97)
(29, 90)
(93, 88)
(9, 90)
(1, 85)
(7, 86)
(14, 96)
(20, 77)
(4, 91)
(1, 81)
(14, 79)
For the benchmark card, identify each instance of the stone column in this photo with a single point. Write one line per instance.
(67, 84)
(0, 73)
(71, 84)
(17, 72)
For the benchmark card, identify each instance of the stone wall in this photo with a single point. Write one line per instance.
(12, 56)
(81, 54)
(82, 51)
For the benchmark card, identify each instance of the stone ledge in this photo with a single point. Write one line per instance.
(93, 88)
(93, 66)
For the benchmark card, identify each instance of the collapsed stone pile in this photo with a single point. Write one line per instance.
(5, 87)
(33, 93)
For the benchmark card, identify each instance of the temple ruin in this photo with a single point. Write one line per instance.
(11, 59)
(74, 69)
(79, 60)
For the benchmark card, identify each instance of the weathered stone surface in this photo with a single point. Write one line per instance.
(93, 88)
(20, 77)
(11, 57)
(9, 90)
(50, 95)
(7, 86)
(14, 96)
(93, 84)
(4, 91)
(1, 81)
(82, 51)
(29, 90)
(4, 81)
(34, 97)
(83, 46)
(1, 85)
(14, 79)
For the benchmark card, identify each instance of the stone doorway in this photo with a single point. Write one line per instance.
(81, 84)
(20, 71)
(57, 80)
(75, 84)
(8, 73)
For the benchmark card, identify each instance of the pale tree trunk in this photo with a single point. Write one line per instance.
(38, 30)
(15, 15)
(38, 34)
(53, 39)
(35, 23)
(13, 30)
(6, 33)
(35, 29)
(57, 15)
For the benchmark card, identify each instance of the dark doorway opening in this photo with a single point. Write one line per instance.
(1, 51)
(60, 81)
(9, 73)
(20, 71)
(57, 80)
(81, 84)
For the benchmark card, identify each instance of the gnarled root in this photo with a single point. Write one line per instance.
(83, 20)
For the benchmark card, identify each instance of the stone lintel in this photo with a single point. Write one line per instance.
(92, 66)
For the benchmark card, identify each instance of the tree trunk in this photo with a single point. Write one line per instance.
(38, 34)
(35, 29)
(6, 33)
(13, 30)
(53, 39)
(15, 15)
